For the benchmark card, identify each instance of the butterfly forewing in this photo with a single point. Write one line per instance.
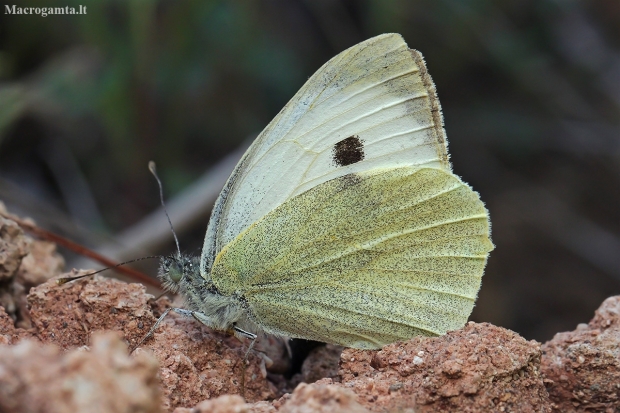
(377, 94)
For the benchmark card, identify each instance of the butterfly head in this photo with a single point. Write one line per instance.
(174, 270)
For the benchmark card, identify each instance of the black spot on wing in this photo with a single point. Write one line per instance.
(348, 151)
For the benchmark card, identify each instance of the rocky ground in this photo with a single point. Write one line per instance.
(65, 349)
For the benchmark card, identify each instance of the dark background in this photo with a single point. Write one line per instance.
(530, 93)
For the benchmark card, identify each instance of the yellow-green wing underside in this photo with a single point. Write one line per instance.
(363, 260)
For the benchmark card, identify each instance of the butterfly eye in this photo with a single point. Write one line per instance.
(175, 272)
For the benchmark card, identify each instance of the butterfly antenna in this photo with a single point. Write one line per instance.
(163, 204)
(65, 280)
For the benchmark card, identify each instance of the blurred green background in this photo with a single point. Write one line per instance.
(530, 93)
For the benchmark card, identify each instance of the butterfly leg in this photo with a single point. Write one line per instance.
(188, 313)
(152, 330)
(239, 333)
(203, 319)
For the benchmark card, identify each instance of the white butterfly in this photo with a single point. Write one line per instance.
(343, 221)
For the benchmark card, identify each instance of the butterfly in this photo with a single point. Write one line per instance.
(343, 222)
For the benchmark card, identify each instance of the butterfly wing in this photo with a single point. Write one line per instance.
(372, 106)
(364, 259)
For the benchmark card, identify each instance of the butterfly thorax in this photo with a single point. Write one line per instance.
(180, 274)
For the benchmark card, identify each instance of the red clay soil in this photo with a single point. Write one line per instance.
(478, 368)
(55, 357)
(582, 367)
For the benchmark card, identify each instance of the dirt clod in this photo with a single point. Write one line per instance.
(582, 367)
(52, 349)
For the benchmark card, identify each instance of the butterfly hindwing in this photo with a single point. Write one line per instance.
(364, 259)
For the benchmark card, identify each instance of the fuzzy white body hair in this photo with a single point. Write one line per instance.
(180, 274)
